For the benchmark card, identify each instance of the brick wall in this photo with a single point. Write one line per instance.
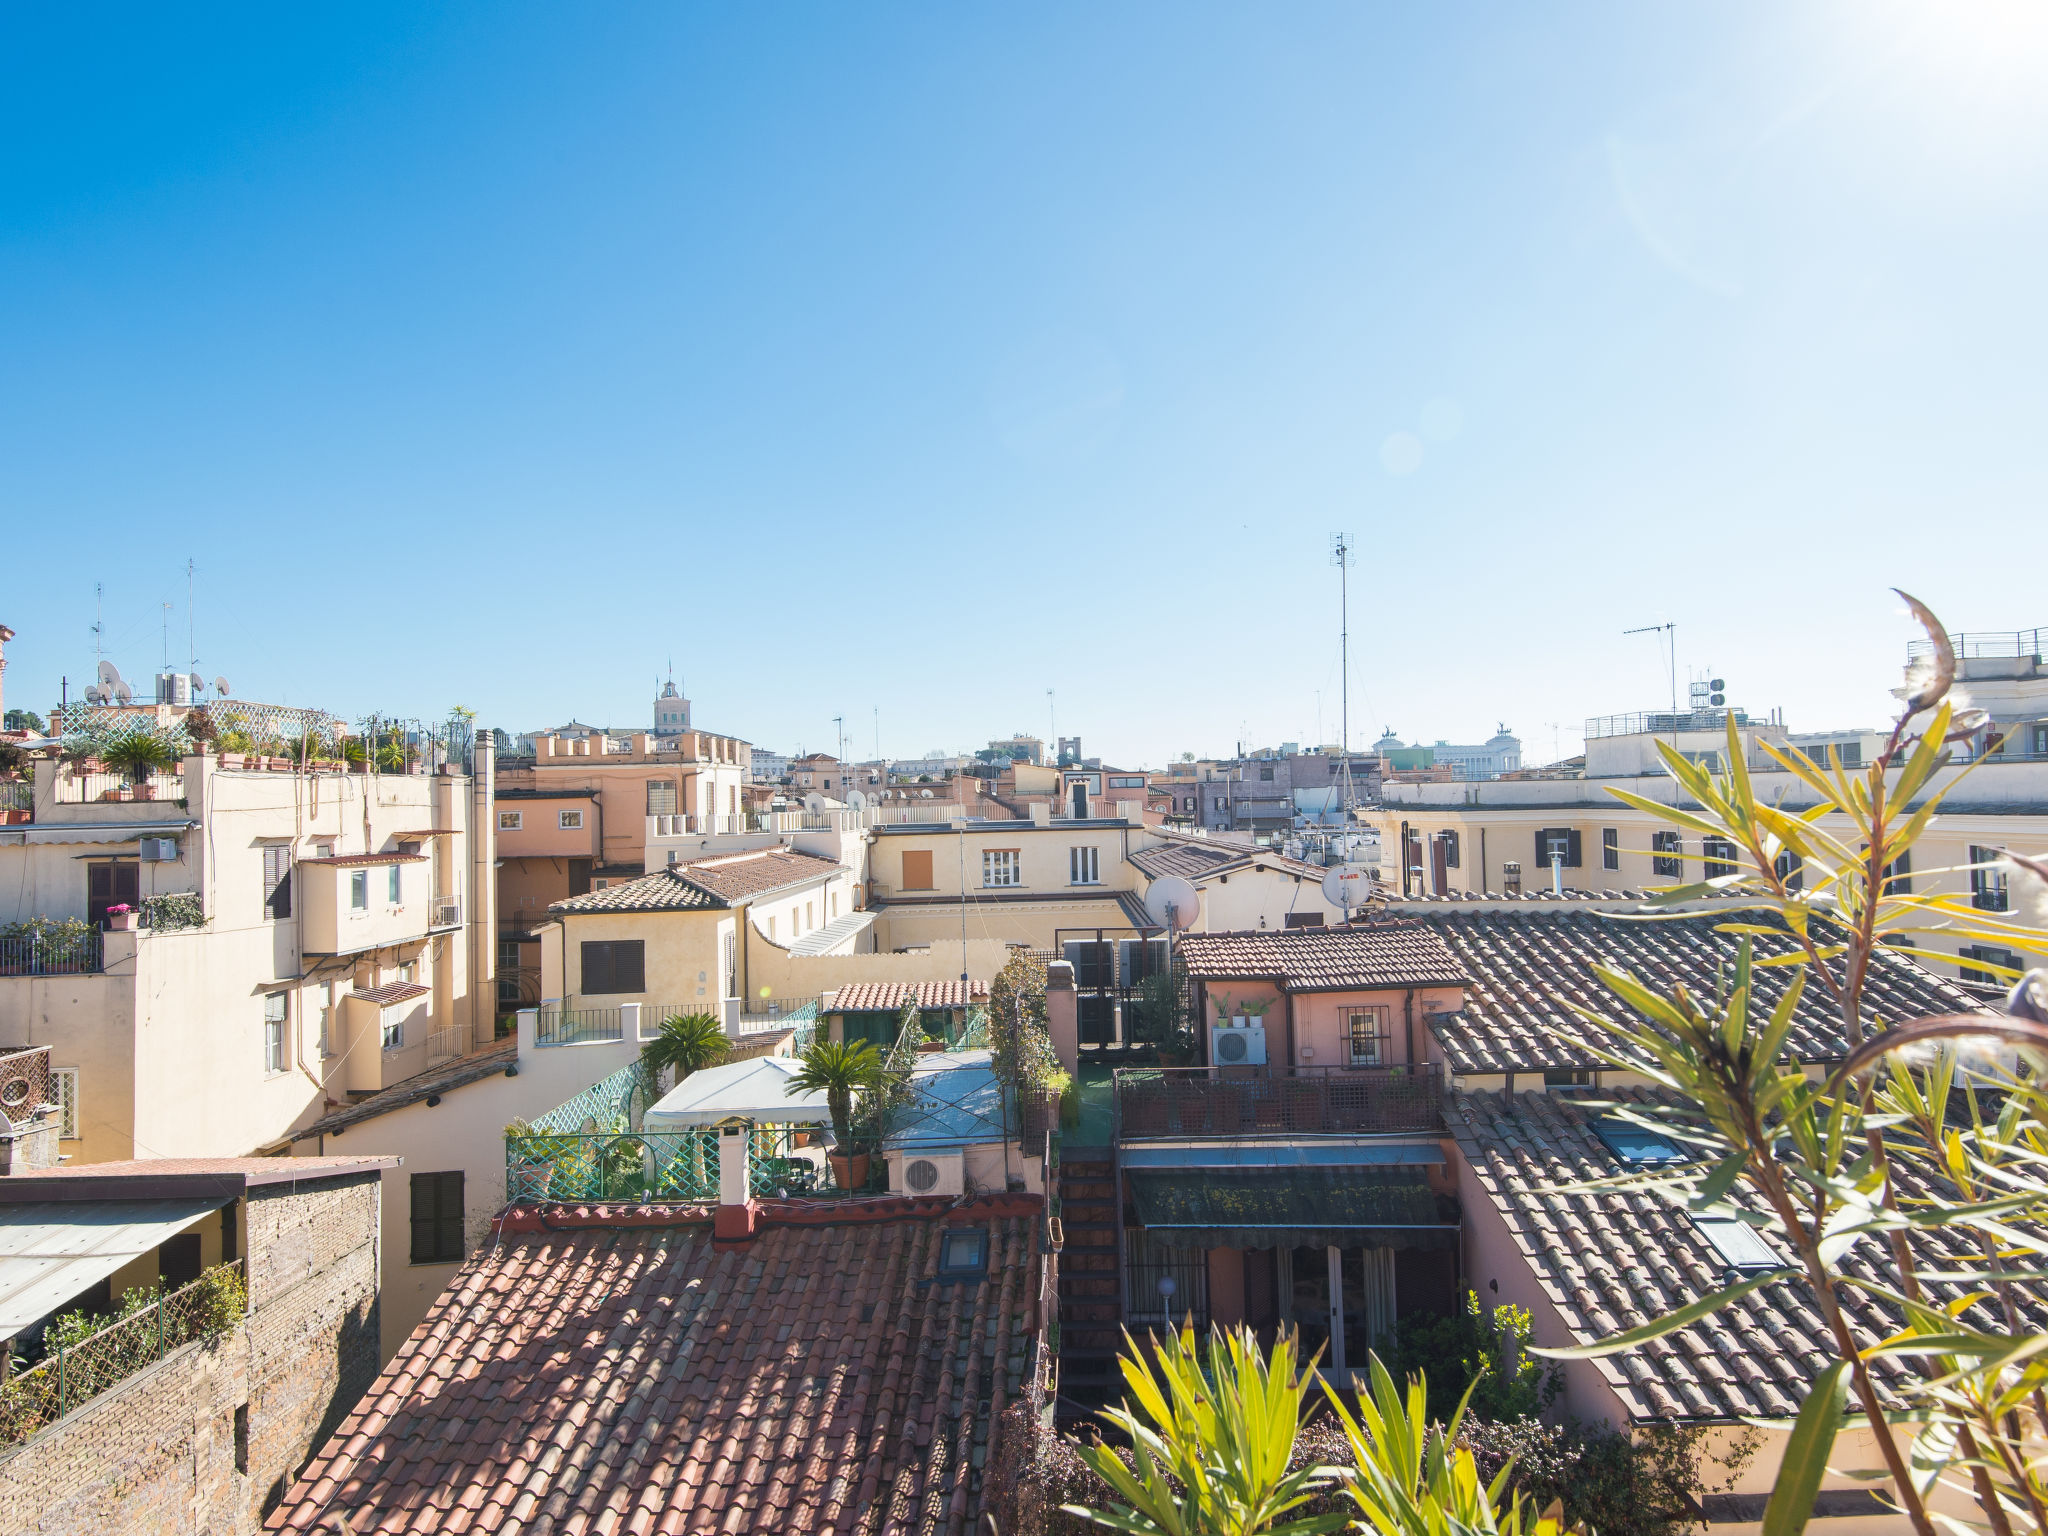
(159, 1454)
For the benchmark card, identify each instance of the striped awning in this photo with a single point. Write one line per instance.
(1384, 1207)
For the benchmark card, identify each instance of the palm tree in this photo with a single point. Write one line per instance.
(839, 1071)
(686, 1042)
(137, 755)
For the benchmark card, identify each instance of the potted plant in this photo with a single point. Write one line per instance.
(684, 1043)
(841, 1072)
(123, 918)
(136, 756)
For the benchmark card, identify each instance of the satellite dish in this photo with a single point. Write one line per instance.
(1172, 892)
(814, 801)
(925, 793)
(110, 677)
(198, 684)
(857, 800)
(1349, 885)
(220, 686)
(93, 696)
(124, 693)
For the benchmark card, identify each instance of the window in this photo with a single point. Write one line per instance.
(326, 1007)
(616, 965)
(1791, 869)
(67, 1102)
(395, 884)
(1665, 851)
(661, 797)
(1898, 875)
(569, 821)
(1738, 1244)
(511, 821)
(1557, 845)
(1990, 890)
(1365, 1031)
(359, 890)
(1720, 856)
(963, 1251)
(1083, 866)
(1126, 783)
(1987, 954)
(1265, 773)
(277, 879)
(999, 866)
(1567, 1077)
(771, 927)
(1634, 1145)
(1449, 840)
(409, 970)
(437, 1218)
(917, 870)
(273, 1032)
(391, 1028)
(809, 921)
(1610, 847)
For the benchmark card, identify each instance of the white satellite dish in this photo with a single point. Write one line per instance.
(124, 693)
(93, 696)
(110, 678)
(220, 686)
(857, 800)
(814, 801)
(1172, 902)
(1349, 885)
(198, 684)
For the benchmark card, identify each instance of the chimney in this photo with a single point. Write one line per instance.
(738, 1213)
(1041, 814)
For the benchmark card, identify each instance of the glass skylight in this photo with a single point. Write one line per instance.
(1634, 1145)
(1738, 1243)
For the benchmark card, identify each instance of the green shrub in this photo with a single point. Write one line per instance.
(1608, 1481)
(1452, 1351)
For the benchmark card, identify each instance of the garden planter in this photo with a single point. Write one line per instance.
(529, 1183)
(145, 791)
(850, 1171)
(123, 922)
(15, 818)
(234, 760)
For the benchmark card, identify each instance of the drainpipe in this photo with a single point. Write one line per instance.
(1292, 1056)
(1408, 1010)
(482, 895)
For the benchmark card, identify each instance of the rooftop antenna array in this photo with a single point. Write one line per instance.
(1341, 557)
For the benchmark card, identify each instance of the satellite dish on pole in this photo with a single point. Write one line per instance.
(814, 801)
(857, 800)
(1348, 886)
(110, 678)
(93, 696)
(124, 693)
(1172, 902)
(220, 686)
(198, 684)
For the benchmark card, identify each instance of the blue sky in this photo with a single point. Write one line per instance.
(903, 363)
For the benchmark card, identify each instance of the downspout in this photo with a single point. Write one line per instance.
(1291, 1056)
(1408, 1009)
(1483, 887)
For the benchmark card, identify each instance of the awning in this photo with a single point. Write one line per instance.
(739, 1090)
(52, 1254)
(1282, 1154)
(1389, 1207)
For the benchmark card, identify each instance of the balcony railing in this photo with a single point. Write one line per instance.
(65, 953)
(658, 1167)
(581, 1026)
(86, 788)
(2015, 643)
(71, 1374)
(1155, 1102)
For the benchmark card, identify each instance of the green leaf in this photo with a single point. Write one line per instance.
(1806, 1454)
(1670, 1322)
(1721, 1180)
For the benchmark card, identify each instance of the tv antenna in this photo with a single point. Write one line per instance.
(1341, 557)
(99, 623)
(839, 725)
(1670, 641)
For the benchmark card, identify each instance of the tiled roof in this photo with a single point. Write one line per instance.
(1614, 1260)
(705, 884)
(1323, 959)
(889, 996)
(158, 1178)
(392, 992)
(464, 1069)
(611, 1375)
(1521, 962)
(1190, 861)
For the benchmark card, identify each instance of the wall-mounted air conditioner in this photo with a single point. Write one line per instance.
(1233, 1045)
(158, 850)
(928, 1173)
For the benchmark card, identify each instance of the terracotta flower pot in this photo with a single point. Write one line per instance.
(849, 1171)
(145, 791)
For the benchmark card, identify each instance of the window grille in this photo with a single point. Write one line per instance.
(67, 1102)
(1666, 854)
(1990, 889)
(1367, 1034)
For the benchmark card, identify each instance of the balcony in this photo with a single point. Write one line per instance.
(75, 788)
(1154, 1103)
(50, 947)
(347, 907)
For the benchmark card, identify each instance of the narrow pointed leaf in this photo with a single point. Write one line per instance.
(1806, 1454)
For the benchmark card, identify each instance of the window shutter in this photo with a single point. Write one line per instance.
(629, 966)
(1542, 849)
(426, 1190)
(1571, 849)
(597, 968)
(449, 1226)
(917, 870)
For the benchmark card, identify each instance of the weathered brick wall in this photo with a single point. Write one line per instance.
(157, 1454)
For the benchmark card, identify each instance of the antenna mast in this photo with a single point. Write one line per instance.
(191, 624)
(1340, 557)
(99, 625)
(1670, 634)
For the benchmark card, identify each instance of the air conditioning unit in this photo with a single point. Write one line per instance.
(158, 850)
(1237, 1045)
(928, 1173)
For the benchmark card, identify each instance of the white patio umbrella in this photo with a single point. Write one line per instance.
(739, 1090)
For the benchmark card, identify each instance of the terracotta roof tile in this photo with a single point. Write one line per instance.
(1618, 1258)
(1323, 959)
(1521, 963)
(889, 996)
(705, 884)
(606, 1376)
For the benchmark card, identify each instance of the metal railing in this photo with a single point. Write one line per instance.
(779, 1014)
(657, 1167)
(1662, 722)
(2015, 643)
(1277, 1101)
(17, 795)
(577, 1026)
(72, 953)
(76, 788)
(445, 1044)
(73, 1373)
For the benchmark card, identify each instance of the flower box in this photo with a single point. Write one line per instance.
(124, 922)
(234, 760)
(145, 791)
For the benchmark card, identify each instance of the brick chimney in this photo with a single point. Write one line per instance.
(738, 1213)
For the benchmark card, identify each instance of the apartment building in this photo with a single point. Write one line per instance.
(259, 938)
(1266, 793)
(1570, 834)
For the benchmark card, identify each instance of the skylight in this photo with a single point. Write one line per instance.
(1635, 1146)
(1738, 1243)
(963, 1252)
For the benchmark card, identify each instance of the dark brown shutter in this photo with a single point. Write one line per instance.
(597, 968)
(1571, 849)
(629, 965)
